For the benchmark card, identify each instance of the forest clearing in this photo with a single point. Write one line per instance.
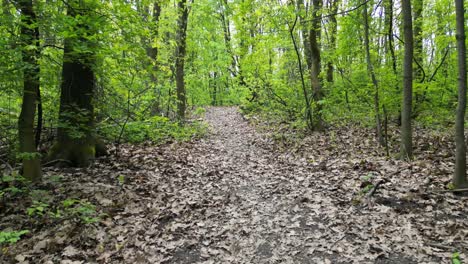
(233, 131)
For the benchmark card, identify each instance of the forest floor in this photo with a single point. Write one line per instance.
(247, 195)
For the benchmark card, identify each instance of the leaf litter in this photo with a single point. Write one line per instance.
(240, 195)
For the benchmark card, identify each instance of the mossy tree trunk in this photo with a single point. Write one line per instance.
(30, 38)
(76, 140)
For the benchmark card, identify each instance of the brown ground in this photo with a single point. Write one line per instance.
(239, 196)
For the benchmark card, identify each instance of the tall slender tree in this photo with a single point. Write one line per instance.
(181, 50)
(371, 71)
(459, 177)
(30, 54)
(315, 67)
(406, 148)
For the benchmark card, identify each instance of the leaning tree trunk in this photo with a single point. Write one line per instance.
(406, 148)
(76, 141)
(459, 178)
(27, 145)
(180, 59)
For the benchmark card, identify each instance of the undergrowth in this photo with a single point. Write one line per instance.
(157, 129)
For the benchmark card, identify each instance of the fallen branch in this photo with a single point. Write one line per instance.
(454, 190)
(56, 161)
(440, 246)
(374, 189)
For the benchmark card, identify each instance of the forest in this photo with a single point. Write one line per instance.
(233, 131)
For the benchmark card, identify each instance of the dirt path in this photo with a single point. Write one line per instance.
(237, 197)
(233, 198)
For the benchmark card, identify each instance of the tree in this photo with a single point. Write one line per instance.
(406, 148)
(30, 55)
(152, 49)
(314, 39)
(76, 138)
(181, 50)
(370, 69)
(332, 39)
(459, 177)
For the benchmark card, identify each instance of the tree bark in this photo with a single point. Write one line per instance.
(76, 139)
(459, 177)
(418, 73)
(314, 39)
(27, 145)
(182, 22)
(406, 148)
(152, 53)
(334, 28)
(370, 69)
(304, 29)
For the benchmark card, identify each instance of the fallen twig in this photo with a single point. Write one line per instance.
(440, 246)
(56, 161)
(374, 189)
(454, 190)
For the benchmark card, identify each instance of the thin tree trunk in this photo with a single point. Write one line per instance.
(459, 177)
(27, 146)
(152, 52)
(406, 148)
(314, 38)
(304, 29)
(182, 22)
(370, 69)
(37, 138)
(309, 119)
(418, 72)
(334, 28)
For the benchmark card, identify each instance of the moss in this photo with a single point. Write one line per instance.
(79, 155)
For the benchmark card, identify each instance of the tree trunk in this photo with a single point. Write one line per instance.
(406, 148)
(152, 53)
(459, 178)
(334, 28)
(370, 69)
(304, 29)
(308, 115)
(182, 22)
(76, 141)
(314, 39)
(27, 145)
(418, 73)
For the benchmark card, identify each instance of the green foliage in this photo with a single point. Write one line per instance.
(11, 237)
(28, 155)
(456, 258)
(37, 208)
(81, 209)
(121, 179)
(11, 185)
(199, 111)
(157, 129)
